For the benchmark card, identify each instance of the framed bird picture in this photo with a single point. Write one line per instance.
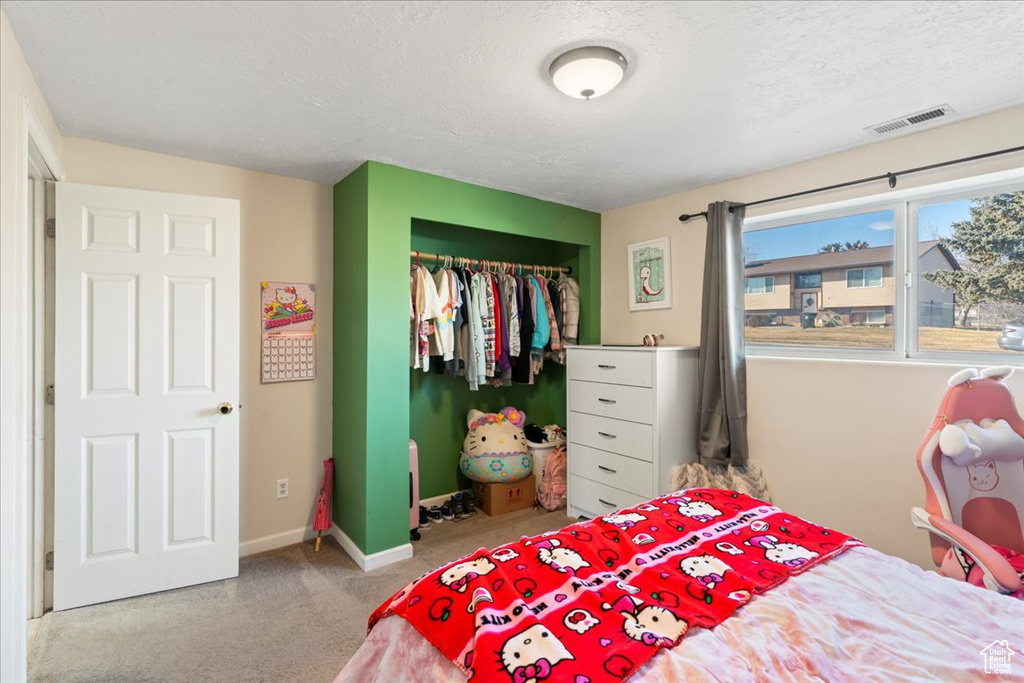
(650, 275)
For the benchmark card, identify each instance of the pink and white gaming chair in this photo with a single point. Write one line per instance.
(975, 500)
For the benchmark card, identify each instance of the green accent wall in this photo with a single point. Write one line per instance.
(381, 213)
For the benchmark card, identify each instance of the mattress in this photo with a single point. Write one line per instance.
(861, 616)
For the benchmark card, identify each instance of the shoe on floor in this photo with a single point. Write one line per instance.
(468, 503)
(424, 519)
(448, 509)
(458, 506)
(414, 534)
(435, 515)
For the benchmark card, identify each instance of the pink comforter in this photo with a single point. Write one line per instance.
(863, 616)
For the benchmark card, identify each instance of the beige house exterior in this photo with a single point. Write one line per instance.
(853, 287)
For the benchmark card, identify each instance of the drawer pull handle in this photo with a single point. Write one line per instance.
(609, 401)
(606, 367)
(605, 469)
(605, 502)
(606, 435)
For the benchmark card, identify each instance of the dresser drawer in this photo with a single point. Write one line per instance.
(599, 499)
(621, 402)
(617, 436)
(618, 471)
(634, 368)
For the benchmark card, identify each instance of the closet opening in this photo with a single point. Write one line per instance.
(439, 403)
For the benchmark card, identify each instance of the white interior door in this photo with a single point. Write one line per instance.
(146, 465)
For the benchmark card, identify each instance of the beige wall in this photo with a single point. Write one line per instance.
(287, 230)
(17, 85)
(836, 439)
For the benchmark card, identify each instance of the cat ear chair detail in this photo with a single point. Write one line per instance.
(963, 377)
(997, 372)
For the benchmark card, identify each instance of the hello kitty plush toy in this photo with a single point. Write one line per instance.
(495, 448)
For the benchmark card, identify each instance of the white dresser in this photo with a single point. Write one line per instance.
(632, 418)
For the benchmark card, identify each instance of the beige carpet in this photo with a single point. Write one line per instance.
(291, 615)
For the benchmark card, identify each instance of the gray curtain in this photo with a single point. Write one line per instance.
(721, 369)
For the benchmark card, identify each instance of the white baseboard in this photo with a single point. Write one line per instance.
(275, 541)
(436, 500)
(374, 560)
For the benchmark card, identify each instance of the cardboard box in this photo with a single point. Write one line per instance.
(497, 499)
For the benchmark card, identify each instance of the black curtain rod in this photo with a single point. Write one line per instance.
(891, 177)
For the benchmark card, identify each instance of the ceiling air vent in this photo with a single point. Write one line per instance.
(915, 119)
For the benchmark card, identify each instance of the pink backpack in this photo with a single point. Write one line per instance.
(551, 492)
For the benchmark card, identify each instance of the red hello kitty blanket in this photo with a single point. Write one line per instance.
(595, 600)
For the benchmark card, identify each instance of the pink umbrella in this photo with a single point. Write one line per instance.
(322, 520)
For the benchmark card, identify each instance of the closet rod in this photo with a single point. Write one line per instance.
(484, 263)
(891, 177)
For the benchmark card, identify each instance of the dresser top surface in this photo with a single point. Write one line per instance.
(613, 347)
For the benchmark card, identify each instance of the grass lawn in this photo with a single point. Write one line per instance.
(931, 338)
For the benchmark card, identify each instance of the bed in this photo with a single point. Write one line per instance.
(853, 614)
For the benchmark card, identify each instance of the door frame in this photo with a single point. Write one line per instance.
(34, 153)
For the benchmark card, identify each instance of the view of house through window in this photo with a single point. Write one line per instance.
(977, 306)
(832, 283)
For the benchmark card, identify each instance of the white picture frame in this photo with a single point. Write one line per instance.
(650, 275)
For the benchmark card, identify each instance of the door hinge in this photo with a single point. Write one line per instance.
(907, 280)
(49, 394)
(49, 561)
(51, 227)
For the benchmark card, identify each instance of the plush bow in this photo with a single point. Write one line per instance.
(532, 672)
(795, 562)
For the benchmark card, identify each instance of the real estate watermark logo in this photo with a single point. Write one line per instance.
(997, 657)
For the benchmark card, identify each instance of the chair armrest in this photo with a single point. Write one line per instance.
(998, 574)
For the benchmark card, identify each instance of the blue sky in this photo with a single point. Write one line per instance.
(874, 228)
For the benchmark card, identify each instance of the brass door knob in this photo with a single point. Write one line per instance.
(225, 408)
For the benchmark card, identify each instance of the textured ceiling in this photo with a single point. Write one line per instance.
(714, 89)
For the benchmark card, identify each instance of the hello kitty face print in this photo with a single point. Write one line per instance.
(529, 656)
(626, 520)
(560, 558)
(707, 569)
(286, 297)
(697, 510)
(458, 576)
(983, 477)
(648, 624)
(494, 449)
(789, 554)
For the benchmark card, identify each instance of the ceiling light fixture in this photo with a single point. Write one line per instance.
(588, 72)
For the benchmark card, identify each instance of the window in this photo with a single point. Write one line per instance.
(842, 257)
(864, 277)
(761, 285)
(808, 280)
(956, 249)
(970, 273)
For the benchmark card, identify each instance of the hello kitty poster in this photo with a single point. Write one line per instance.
(288, 306)
(288, 322)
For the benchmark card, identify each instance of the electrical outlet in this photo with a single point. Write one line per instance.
(282, 488)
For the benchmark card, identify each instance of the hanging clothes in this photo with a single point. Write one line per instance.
(476, 359)
(485, 304)
(522, 370)
(570, 296)
(443, 341)
(426, 309)
(553, 340)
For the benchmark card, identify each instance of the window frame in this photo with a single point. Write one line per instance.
(904, 205)
(864, 277)
(797, 276)
(766, 278)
